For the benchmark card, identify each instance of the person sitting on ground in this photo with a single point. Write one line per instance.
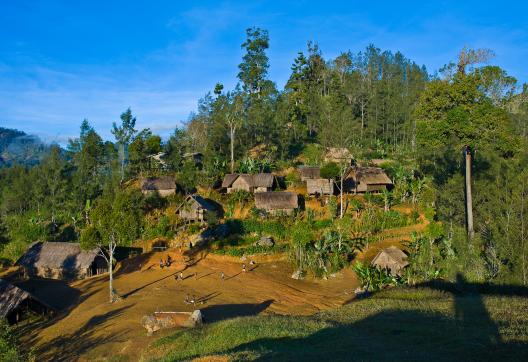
(252, 262)
(161, 263)
(244, 268)
(169, 261)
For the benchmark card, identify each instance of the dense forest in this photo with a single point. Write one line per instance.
(378, 104)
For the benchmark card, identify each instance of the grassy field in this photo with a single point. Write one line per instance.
(429, 323)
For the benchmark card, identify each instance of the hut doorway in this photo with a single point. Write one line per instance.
(160, 245)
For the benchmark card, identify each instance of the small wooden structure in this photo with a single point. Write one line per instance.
(15, 303)
(338, 155)
(56, 260)
(320, 186)
(260, 182)
(195, 208)
(196, 157)
(370, 179)
(277, 202)
(392, 259)
(309, 172)
(163, 185)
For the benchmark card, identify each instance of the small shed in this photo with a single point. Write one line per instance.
(164, 185)
(320, 186)
(277, 202)
(16, 302)
(370, 179)
(309, 172)
(260, 182)
(56, 260)
(195, 208)
(392, 259)
(338, 155)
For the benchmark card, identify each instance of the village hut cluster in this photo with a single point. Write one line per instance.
(357, 179)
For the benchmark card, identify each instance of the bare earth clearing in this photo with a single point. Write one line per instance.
(93, 328)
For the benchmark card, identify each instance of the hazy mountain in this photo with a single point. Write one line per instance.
(19, 147)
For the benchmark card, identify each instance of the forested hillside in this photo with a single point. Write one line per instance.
(378, 104)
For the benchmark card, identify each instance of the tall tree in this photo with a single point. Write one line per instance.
(123, 134)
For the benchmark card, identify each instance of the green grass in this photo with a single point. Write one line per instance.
(397, 324)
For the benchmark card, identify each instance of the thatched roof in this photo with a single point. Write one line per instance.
(338, 155)
(11, 297)
(256, 180)
(229, 179)
(67, 256)
(158, 183)
(196, 202)
(310, 172)
(263, 180)
(280, 200)
(391, 258)
(372, 176)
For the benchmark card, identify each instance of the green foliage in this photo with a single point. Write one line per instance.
(374, 279)
(330, 170)
(9, 345)
(161, 227)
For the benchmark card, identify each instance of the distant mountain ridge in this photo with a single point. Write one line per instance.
(18, 147)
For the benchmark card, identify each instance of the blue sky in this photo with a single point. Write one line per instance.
(63, 61)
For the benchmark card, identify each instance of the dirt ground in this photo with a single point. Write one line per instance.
(89, 328)
(93, 329)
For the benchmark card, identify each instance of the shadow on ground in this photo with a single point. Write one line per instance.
(471, 335)
(220, 312)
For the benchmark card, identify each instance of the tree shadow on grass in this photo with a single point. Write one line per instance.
(220, 312)
(396, 334)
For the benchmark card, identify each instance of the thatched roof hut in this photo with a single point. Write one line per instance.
(392, 259)
(14, 302)
(309, 172)
(61, 261)
(370, 179)
(276, 202)
(259, 182)
(320, 186)
(338, 155)
(229, 179)
(164, 185)
(195, 208)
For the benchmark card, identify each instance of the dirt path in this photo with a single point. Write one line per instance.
(95, 329)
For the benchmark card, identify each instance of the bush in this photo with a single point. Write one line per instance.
(374, 279)
(9, 350)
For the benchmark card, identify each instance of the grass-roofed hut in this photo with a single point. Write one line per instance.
(196, 208)
(370, 179)
(320, 186)
(164, 185)
(16, 302)
(56, 260)
(392, 259)
(310, 172)
(277, 202)
(260, 182)
(338, 155)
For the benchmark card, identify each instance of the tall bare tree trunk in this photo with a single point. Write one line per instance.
(469, 198)
(232, 135)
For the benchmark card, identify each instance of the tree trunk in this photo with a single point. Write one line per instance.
(469, 199)
(232, 136)
(111, 248)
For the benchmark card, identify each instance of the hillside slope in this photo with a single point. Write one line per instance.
(398, 324)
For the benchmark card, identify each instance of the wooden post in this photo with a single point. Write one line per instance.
(469, 199)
